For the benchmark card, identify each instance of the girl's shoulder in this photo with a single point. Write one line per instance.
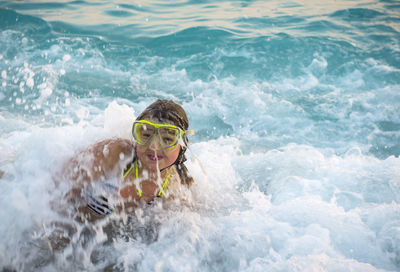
(112, 151)
(102, 158)
(116, 144)
(112, 148)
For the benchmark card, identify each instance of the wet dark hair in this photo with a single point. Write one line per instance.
(166, 110)
(171, 111)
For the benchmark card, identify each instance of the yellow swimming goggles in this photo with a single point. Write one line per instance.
(168, 135)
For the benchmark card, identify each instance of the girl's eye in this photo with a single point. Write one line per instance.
(168, 140)
(146, 135)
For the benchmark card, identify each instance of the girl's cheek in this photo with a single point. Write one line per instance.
(173, 154)
(139, 153)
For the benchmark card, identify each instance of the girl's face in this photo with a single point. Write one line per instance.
(153, 156)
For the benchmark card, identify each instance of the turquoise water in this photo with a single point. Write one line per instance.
(296, 108)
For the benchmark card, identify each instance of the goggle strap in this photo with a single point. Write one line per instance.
(189, 132)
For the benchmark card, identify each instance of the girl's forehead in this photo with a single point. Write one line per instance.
(158, 120)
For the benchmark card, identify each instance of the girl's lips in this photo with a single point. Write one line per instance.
(153, 157)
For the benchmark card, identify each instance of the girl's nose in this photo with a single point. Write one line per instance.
(155, 143)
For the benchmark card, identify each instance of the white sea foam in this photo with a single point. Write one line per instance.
(118, 120)
(279, 209)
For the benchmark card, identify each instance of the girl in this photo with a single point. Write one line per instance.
(150, 167)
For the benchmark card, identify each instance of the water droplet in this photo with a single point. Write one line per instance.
(47, 92)
(66, 57)
(30, 82)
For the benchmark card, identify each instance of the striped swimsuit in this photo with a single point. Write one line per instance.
(99, 204)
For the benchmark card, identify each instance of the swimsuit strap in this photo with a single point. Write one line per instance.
(128, 171)
(164, 186)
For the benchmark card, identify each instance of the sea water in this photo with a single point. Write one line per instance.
(296, 108)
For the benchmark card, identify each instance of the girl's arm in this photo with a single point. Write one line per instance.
(103, 160)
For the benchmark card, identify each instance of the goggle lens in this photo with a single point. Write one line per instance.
(168, 134)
